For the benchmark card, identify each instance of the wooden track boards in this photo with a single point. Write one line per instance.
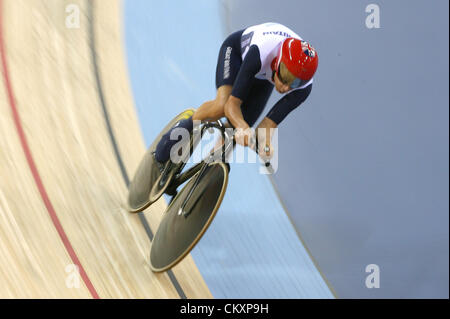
(52, 77)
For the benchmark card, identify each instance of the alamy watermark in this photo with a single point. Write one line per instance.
(373, 279)
(73, 16)
(73, 278)
(373, 19)
(213, 148)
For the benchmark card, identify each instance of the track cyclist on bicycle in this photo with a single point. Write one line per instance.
(251, 63)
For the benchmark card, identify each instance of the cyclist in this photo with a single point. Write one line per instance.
(251, 63)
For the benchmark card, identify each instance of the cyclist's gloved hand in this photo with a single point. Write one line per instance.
(263, 147)
(265, 151)
(243, 136)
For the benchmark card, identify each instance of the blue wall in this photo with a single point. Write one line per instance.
(363, 164)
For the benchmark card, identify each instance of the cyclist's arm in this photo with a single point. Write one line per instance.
(278, 112)
(264, 133)
(288, 103)
(266, 124)
(250, 66)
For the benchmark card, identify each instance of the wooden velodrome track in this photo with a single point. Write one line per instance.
(69, 144)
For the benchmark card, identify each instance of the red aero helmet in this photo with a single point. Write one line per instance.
(300, 59)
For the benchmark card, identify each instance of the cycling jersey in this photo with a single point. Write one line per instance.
(246, 59)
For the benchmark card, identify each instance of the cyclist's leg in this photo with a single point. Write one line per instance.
(214, 110)
(210, 110)
(228, 65)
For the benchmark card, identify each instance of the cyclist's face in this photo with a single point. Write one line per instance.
(280, 86)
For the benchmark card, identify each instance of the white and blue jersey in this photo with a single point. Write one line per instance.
(246, 61)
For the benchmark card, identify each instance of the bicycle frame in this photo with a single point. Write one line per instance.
(200, 167)
(227, 146)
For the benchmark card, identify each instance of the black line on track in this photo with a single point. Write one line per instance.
(101, 95)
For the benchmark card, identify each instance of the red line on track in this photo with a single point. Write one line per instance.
(32, 165)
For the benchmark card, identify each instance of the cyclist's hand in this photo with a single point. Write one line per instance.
(243, 135)
(265, 151)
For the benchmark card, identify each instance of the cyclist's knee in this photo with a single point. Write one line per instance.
(220, 105)
(211, 110)
(219, 109)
